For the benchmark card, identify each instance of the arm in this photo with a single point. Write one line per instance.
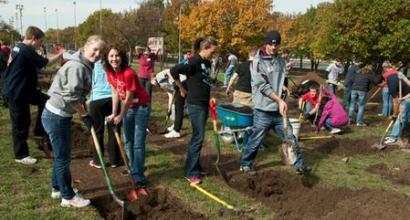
(56, 57)
(183, 68)
(231, 81)
(301, 103)
(124, 107)
(323, 118)
(115, 102)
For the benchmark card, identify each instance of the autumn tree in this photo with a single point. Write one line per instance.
(8, 34)
(238, 25)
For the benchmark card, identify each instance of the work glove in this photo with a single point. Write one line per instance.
(88, 121)
(307, 115)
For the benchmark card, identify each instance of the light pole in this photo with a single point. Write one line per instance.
(45, 18)
(58, 30)
(11, 21)
(20, 8)
(100, 17)
(75, 25)
(179, 33)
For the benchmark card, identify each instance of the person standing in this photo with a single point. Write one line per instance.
(230, 68)
(361, 85)
(334, 70)
(146, 67)
(20, 87)
(197, 70)
(243, 89)
(134, 111)
(268, 73)
(100, 108)
(67, 96)
(351, 73)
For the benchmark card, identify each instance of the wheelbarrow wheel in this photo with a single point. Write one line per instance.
(226, 135)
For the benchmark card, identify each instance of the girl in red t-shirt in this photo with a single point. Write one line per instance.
(134, 112)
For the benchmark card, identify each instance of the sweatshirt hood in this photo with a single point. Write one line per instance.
(78, 57)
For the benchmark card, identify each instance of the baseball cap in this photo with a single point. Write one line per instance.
(273, 37)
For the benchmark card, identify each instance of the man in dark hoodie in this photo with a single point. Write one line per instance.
(268, 74)
(21, 90)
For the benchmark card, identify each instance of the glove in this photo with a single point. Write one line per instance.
(88, 121)
(307, 115)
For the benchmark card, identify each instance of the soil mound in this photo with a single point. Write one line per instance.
(294, 197)
(398, 175)
(159, 204)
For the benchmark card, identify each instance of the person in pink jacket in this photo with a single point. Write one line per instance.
(333, 115)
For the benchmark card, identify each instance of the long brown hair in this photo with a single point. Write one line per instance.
(121, 53)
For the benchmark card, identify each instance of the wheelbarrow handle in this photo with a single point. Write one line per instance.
(212, 107)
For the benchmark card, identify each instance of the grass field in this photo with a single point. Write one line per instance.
(24, 190)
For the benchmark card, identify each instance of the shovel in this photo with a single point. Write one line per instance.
(287, 149)
(381, 145)
(132, 194)
(212, 107)
(106, 175)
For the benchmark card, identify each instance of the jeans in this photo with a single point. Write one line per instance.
(179, 110)
(227, 75)
(346, 97)
(20, 122)
(59, 130)
(147, 85)
(397, 129)
(99, 109)
(362, 98)
(332, 87)
(327, 124)
(262, 122)
(198, 116)
(135, 132)
(387, 102)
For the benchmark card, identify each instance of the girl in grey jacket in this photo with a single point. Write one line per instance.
(67, 96)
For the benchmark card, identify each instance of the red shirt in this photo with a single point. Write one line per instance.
(146, 65)
(127, 80)
(312, 100)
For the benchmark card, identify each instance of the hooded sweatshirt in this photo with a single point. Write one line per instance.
(334, 110)
(268, 75)
(71, 84)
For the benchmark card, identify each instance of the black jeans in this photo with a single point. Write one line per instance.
(99, 109)
(147, 85)
(179, 110)
(20, 122)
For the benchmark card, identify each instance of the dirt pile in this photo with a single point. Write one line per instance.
(293, 197)
(398, 175)
(159, 204)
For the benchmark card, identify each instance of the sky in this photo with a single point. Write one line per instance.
(33, 10)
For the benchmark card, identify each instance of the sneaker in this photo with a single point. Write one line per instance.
(55, 194)
(361, 125)
(194, 180)
(390, 141)
(248, 170)
(335, 131)
(115, 165)
(380, 114)
(125, 173)
(173, 134)
(27, 160)
(77, 201)
(303, 170)
(170, 128)
(94, 165)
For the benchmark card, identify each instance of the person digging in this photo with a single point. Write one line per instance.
(269, 108)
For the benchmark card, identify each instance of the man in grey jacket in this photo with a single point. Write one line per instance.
(268, 73)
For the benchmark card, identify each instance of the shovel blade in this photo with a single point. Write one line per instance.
(379, 146)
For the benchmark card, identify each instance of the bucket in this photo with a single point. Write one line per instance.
(295, 126)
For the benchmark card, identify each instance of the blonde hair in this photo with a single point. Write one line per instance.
(387, 65)
(94, 39)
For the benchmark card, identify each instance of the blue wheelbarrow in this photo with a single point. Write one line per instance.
(235, 119)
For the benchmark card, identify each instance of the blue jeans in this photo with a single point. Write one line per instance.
(59, 131)
(346, 97)
(327, 124)
(397, 129)
(362, 98)
(227, 75)
(387, 102)
(135, 131)
(198, 116)
(262, 122)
